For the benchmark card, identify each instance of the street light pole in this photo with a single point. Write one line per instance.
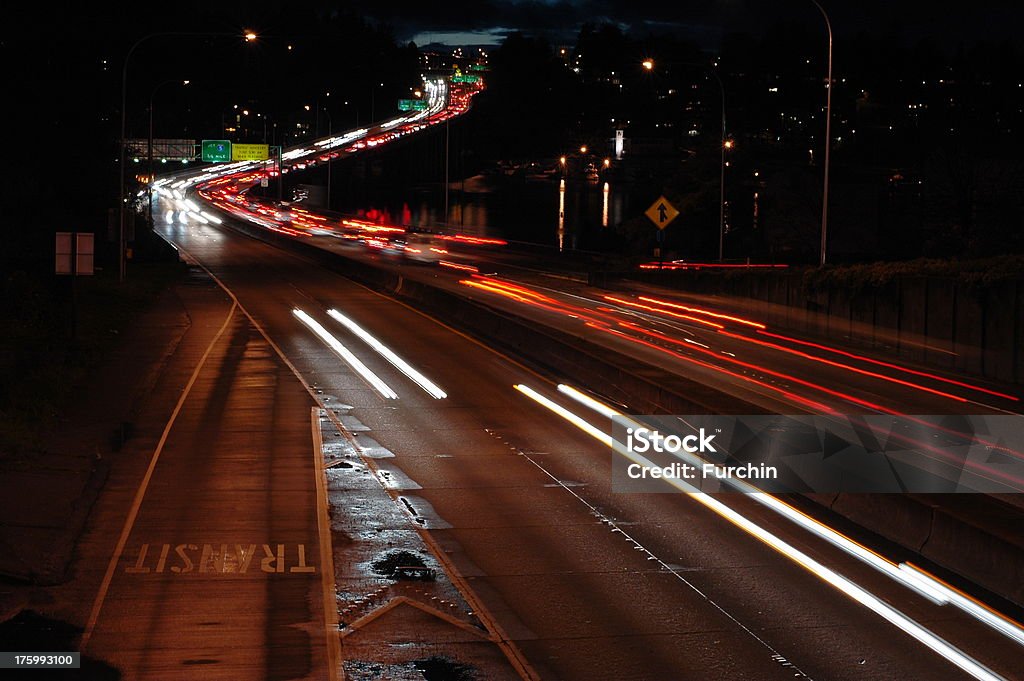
(648, 65)
(446, 172)
(828, 138)
(149, 147)
(373, 96)
(121, 198)
(721, 184)
(330, 131)
(121, 243)
(280, 174)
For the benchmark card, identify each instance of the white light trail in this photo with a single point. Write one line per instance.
(969, 605)
(386, 352)
(587, 400)
(924, 584)
(572, 418)
(343, 352)
(931, 591)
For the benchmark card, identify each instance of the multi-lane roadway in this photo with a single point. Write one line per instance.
(506, 479)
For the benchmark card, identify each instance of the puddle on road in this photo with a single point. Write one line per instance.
(399, 614)
(423, 513)
(370, 448)
(390, 563)
(394, 478)
(368, 527)
(429, 669)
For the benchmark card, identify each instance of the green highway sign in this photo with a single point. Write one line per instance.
(465, 78)
(412, 105)
(216, 151)
(478, 67)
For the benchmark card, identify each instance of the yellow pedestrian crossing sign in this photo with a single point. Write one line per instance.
(661, 213)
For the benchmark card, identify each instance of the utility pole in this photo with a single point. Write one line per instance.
(280, 177)
(122, 200)
(446, 172)
(828, 139)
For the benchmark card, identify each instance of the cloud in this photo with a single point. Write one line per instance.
(559, 18)
(703, 21)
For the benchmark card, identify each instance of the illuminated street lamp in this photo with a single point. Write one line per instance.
(583, 149)
(121, 198)
(726, 146)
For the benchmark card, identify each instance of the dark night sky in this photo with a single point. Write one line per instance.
(702, 21)
(62, 59)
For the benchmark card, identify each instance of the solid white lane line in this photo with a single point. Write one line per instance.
(323, 525)
(507, 645)
(334, 344)
(386, 352)
(133, 512)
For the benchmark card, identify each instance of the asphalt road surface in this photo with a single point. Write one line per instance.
(584, 582)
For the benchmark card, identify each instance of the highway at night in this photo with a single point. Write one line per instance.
(487, 466)
(521, 501)
(515, 341)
